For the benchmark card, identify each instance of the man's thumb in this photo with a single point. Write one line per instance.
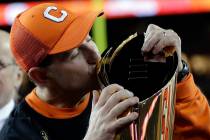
(95, 97)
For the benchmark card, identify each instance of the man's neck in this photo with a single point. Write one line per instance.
(57, 98)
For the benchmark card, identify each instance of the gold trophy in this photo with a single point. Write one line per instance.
(153, 82)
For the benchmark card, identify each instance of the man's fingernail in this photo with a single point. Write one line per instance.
(143, 48)
(145, 34)
(137, 99)
(129, 92)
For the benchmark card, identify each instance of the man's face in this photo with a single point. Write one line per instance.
(7, 75)
(75, 70)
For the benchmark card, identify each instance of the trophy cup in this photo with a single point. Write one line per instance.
(153, 82)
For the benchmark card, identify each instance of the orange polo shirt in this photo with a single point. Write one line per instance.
(54, 112)
(192, 118)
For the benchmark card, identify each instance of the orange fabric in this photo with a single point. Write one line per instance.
(47, 31)
(76, 32)
(53, 26)
(51, 111)
(192, 119)
(29, 56)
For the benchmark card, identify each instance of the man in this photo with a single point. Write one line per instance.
(10, 79)
(52, 44)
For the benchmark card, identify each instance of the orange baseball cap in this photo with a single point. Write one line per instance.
(48, 29)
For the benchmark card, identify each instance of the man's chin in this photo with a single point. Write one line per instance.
(96, 84)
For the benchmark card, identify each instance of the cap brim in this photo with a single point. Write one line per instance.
(76, 32)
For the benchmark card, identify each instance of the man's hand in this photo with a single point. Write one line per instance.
(112, 103)
(156, 39)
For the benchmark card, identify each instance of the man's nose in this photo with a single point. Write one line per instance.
(93, 55)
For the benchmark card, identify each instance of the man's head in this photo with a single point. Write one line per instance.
(51, 43)
(10, 74)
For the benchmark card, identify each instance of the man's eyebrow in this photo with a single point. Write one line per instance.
(63, 55)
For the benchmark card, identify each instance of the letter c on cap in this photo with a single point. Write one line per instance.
(53, 18)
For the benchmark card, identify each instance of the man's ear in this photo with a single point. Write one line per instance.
(38, 75)
(19, 77)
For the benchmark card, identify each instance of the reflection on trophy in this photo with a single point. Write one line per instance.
(153, 82)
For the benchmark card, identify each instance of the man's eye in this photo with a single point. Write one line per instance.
(88, 40)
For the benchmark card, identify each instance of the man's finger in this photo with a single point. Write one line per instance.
(124, 121)
(120, 108)
(152, 27)
(151, 42)
(95, 98)
(159, 46)
(107, 93)
(116, 98)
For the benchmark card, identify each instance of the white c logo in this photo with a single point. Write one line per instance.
(53, 18)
